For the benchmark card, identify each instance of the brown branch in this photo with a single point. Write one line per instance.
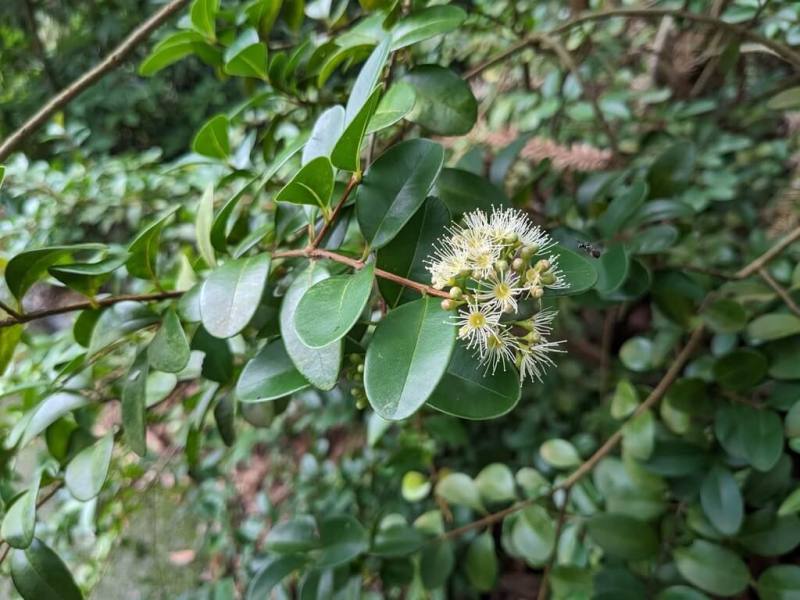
(110, 62)
(562, 517)
(790, 303)
(354, 180)
(9, 310)
(762, 260)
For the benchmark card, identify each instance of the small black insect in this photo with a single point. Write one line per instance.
(589, 249)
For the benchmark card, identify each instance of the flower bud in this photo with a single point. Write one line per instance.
(537, 292)
(456, 292)
(448, 304)
(528, 251)
(360, 369)
(356, 358)
(532, 274)
(501, 265)
(548, 278)
(361, 403)
(356, 392)
(517, 264)
(543, 264)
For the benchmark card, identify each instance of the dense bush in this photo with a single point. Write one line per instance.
(449, 299)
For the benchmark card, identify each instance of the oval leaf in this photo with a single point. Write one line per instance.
(87, 472)
(169, 350)
(40, 574)
(269, 375)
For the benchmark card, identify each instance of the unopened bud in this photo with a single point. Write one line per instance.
(527, 251)
(537, 292)
(448, 304)
(548, 278)
(360, 369)
(501, 265)
(361, 403)
(531, 274)
(533, 337)
(543, 264)
(517, 264)
(355, 358)
(356, 392)
(456, 292)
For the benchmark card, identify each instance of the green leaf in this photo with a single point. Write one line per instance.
(342, 539)
(791, 504)
(247, 56)
(169, 350)
(741, 369)
(327, 130)
(625, 399)
(725, 316)
(407, 357)
(638, 436)
(170, 50)
(203, 14)
(462, 192)
(202, 226)
(269, 375)
(436, 564)
(218, 360)
(116, 321)
(319, 365)
(671, 171)
(2, 174)
(779, 582)
(298, 534)
(426, 23)
(712, 568)
(346, 153)
(231, 294)
(224, 416)
(772, 327)
(578, 270)
(312, 185)
(785, 100)
(134, 404)
(621, 209)
(219, 226)
(143, 250)
(86, 473)
(39, 574)
(397, 540)
(468, 391)
(87, 278)
(271, 574)
(461, 490)
(653, 240)
(722, 501)
(560, 453)
(363, 91)
(681, 592)
(19, 522)
(623, 536)
(612, 268)
(766, 534)
(26, 268)
(51, 410)
(262, 14)
(637, 354)
(532, 482)
(394, 188)
(444, 102)
(415, 486)
(496, 483)
(330, 308)
(396, 103)
(9, 338)
(212, 139)
(481, 563)
(533, 535)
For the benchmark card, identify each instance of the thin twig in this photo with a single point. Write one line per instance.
(562, 517)
(762, 260)
(326, 225)
(787, 299)
(10, 310)
(110, 62)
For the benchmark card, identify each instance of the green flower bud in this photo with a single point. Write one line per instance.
(361, 403)
(356, 358)
(543, 264)
(448, 304)
(501, 265)
(360, 369)
(548, 278)
(528, 251)
(517, 264)
(537, 292)
(456, 292)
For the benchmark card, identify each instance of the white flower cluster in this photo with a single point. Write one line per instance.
(490, 263)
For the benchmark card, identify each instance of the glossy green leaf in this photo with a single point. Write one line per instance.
(218, 360)
(39, 574)
(394, 188)
(212, 139)
(397, 540)
(560, 453)
(653, 240)
(533, 535)
(426, 23)
(405, 255)
(638, 436)
(219, 226)
(766, 534)
(722, 500)
(395, 104)
(9, 338)
(612, 268)
(625, 399)
(436, 563)
(202, 226)
(246, 56)
(203, 14)
(415, 486)
(271, 574)
(779, 582)
(231, 294)
(462, 192)
(785, 100)
(772, 327)
(26, 268)
(319, 365)
(143, 250)
(86, 473)
(134, 404)
(725, 316)
(622, 208)
(262, 14)
(496, 483)
(269, 375)
(19, 522)
(342, 538)
(461, 490)
(312, 185)
(623, 536)
(681, 592)
(444, 102)
(298, 534)
(327, 130)
(469, 391)
(346, 153)
(87, 278)
(791, 504)
(671, 171)
(330, 308)
(741, 369)
(169, 350)
(407, 357)
(481, 563)
(116, 321)
(51, 409)
(225, 418)
(170, 50)
(712, 568)
(363, 90)
(578, 270)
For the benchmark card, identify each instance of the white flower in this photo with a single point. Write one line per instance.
(502, 290)
(533, 360)
(448, 262)
(509, 224)
(560, 282)
(477, 323)
(501, 347)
